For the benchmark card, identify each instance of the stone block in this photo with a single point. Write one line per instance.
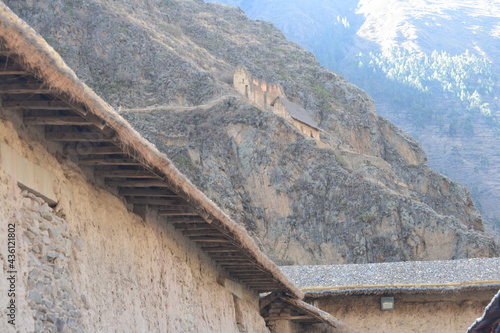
(36, 297)
(52, 255)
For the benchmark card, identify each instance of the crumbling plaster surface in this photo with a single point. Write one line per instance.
(445, 312)
(90, 265)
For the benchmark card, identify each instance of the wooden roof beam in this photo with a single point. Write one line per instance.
(36, 105)
(242, 265)
(93, 150)
(77, 137)
(195, 226)
(255, 278)
(188, 221)
(228, 260)
(151, 202)
(205, 239)
(12, 69)
(137, 183)
(249, 276)
(24, 88)
(192, 233)
(58, 120)
(147, 193)
(176, 213)
(220, 250)
(59, 104)
(109, 161)
(125, 174)
(288, 317)
(224, 255)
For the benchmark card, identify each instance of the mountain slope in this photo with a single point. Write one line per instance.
(431, 66)
(168, 66)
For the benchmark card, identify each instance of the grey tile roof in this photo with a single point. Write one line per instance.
(403, 275)
(299, 113)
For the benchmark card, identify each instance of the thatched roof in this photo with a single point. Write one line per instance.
(397, 277)
(297, 310)
(50, 94)
(298, 113)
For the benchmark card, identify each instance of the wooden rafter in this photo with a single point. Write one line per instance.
(221, 250)
(200, 226)
(176, 213)
(36, 105)
(235, 265)
(151, 201)
(77, 136)
(145, 192)
(57, 120)
(93, 150)
(24, 88)
(125, 174)
(137, 183)
(228, 260)
(109, 161)
(12, 69)
(290, 317)
(204, 239)
(249, 277)
(225, 255)
(191, 233)
(193, 221)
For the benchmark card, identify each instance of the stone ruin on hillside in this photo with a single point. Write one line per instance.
(270, 97)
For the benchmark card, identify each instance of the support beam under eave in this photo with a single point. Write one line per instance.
(176, 213)
(77, 136)
(125, 174)
(147, 193)
(109, 161)
(36, 105)
(28, 88)
(57, 121)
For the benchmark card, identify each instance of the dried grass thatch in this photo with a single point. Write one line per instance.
(301, 307)
(41, 59)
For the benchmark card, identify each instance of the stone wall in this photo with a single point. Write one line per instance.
(90, 265)
(307, 130)
(444, 312)
(258, 91)
(263, 94)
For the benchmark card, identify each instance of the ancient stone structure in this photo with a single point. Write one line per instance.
(99, 231)
(258, 91)
(271, 97)
(297, 115)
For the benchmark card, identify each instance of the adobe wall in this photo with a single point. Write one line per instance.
(91, 265)
(447, 312)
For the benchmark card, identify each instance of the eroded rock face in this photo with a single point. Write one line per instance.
(306, 202)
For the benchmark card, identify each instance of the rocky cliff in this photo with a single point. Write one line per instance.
(168, 65)
(451, 47)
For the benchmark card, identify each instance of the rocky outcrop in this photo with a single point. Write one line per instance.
(313, 204)
(169, 65)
